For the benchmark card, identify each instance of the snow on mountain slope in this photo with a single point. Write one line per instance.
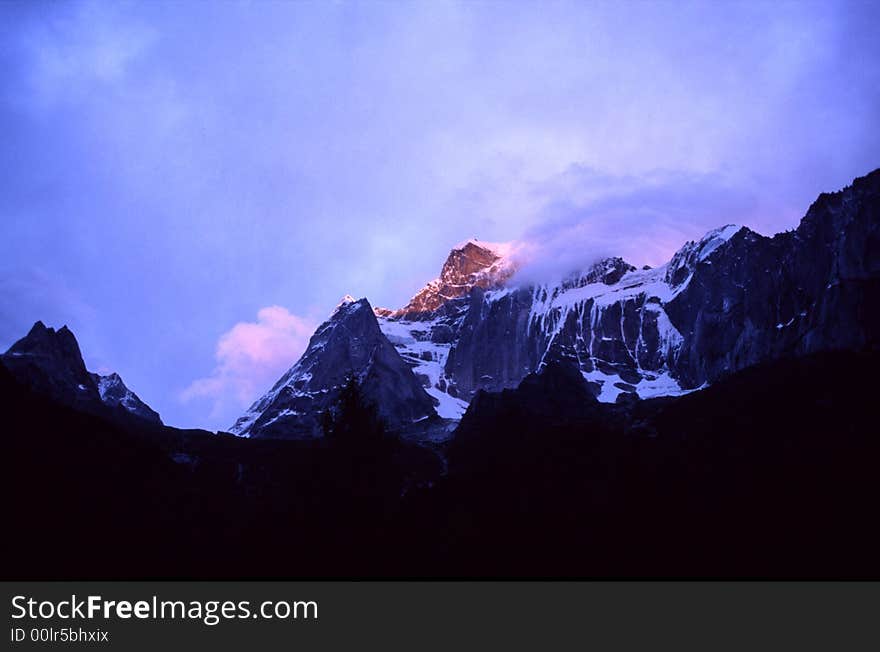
(685, 260)
(557, 310)
(475, 328)
(427, 359)
(114, 392)
(732, 299)
(348, 344)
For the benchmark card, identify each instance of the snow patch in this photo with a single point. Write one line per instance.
(714, 239)
(651, 385)
(427, 360)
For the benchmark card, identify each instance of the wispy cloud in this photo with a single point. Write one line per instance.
(179, 164)
(586, 215)
(79, 48)
(250, 357)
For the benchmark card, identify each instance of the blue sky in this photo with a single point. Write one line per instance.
(192, 186)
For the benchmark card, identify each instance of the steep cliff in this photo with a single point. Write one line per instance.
(730, 300)
(349, 344)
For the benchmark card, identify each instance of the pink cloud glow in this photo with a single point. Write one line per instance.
(251, 356)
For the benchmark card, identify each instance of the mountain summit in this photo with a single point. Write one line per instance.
(349, 344)
(50, 363)
(728, 301)
(470, 264)
(114, 393)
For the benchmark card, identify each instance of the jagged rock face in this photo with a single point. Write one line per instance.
(50, 363)
(424, 344)
(472, 264)
(114, 393)
(728, 301)
(492, 339)
(349, 343)
(608, 321)
(800, 292)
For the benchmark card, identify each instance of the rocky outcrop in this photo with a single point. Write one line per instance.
(114, 393)
(608, 321)
(50, 363)
(812, 289)
(730, 300)
(349, 344)
(469, 265)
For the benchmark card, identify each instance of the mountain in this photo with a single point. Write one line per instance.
(50, 363)
(757, 298)
(114, 393)
(471, 264)
(730, 300)
(723, 303)
(348, 344)
(609, 320)
(768, 471)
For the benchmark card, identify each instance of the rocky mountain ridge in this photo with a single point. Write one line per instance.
(114, 392)
(730, 300)
(471, 264)
(50, 363)
(348, 344)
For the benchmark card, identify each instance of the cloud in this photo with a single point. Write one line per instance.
(76, 49)
(251, 356)
(587, 215)
(345, 148)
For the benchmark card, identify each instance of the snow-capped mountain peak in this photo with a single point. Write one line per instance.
(114, 392)
(685, 260)
(471, 263)
(348, 344)
(731, 299)
(344, 301)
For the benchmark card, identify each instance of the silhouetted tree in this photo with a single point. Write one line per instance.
(367, 474)
(354, 421)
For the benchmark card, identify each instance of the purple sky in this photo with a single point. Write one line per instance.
(192, 186)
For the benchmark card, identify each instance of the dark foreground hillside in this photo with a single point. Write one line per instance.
(771, 472)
